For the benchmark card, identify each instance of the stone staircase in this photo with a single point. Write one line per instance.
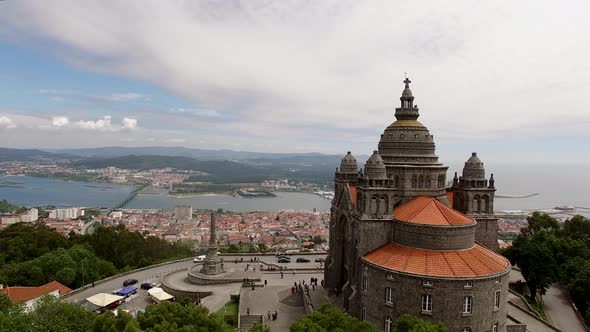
(247, 321)
(293, 300)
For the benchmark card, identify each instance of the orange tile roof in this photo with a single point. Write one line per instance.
(23, 294)
(475, 262)
(450, 196)
(353, 194)
(429, 211)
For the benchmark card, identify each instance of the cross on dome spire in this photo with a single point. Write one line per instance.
(407, 110)
(407, 81)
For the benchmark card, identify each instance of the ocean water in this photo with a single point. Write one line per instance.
(32, 191)
(555, 184)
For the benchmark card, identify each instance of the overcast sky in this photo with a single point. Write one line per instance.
(509, 79)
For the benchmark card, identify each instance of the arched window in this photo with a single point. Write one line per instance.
(359, 202)
(383, 205)
(486, 204)
(467, 304)
(427, 181)
(374, 204)
(421, 181)
(388, 325)
(396, 180)
(495, 327)
(476, 206)
(414, 181)
(441, 181)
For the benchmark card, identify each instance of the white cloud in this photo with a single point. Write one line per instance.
(6, 123)
(129, 123)
(100, 124)
(203, 112)
(175, 140)
(60, 121)
(129, 96)
(328, 74)
(104, 124)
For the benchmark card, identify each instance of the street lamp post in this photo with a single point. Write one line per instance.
(83, 283)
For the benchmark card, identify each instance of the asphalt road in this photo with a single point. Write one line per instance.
(155, 275)
(559, 311)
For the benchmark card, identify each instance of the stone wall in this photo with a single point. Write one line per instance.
(486, 232)
(448, 296)
(433, 237)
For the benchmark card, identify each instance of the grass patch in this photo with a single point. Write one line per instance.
(537, 307)
(229, 313)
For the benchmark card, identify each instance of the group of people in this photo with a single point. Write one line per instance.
(274, 315)
(314, 282)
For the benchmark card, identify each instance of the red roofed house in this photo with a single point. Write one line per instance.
(401, 242)
(29, 295)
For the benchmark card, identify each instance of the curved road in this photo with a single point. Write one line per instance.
(155, 274)
(559, 310)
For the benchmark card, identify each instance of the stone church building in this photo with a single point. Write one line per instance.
(403, 242)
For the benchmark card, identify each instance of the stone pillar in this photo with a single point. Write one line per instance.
(212, 263)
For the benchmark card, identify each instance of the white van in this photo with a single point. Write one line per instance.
(199, 258)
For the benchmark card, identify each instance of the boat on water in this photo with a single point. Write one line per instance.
(565, 208)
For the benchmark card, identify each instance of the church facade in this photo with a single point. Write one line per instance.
(403, 242)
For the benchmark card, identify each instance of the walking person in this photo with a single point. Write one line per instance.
(248, 311)
(268, 315)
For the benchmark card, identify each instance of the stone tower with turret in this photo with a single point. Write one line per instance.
(399, 243)
(473, 195)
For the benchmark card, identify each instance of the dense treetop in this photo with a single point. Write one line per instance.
(32, 254)
(547, 253)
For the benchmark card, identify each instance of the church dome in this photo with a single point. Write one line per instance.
(473, 169)
(407, 92)
(407, 141)
(375, 167)
(348, 164)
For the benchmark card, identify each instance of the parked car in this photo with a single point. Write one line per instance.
(302, 260)
(129, 282)
(320, 260)
(284, 260)
(199, 258)
(147, 285)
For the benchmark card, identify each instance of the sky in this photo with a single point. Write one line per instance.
(508, 79)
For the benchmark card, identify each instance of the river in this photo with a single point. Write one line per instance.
(32, 191)
(569, 187)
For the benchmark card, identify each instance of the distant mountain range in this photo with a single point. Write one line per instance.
(222, 165)
(7, 154)
(203, 154)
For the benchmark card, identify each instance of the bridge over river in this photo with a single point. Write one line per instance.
(130, 197)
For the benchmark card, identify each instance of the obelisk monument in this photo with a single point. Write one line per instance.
(212, 263)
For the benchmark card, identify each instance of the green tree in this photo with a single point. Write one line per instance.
(168, 316)
(578, 228)
(527, 252)
(57, 316)
(329, 318)
(66, 276)
(409, 323)
(259, 328)
(538, 222)
(108, 322)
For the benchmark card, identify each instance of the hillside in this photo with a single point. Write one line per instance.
(7, 154)
(221, 171)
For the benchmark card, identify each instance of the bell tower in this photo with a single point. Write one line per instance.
(473, 195)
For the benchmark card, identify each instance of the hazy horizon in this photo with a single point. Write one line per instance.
(290, 76)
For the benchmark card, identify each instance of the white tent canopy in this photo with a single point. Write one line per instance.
(159, 294)
(103, 299)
